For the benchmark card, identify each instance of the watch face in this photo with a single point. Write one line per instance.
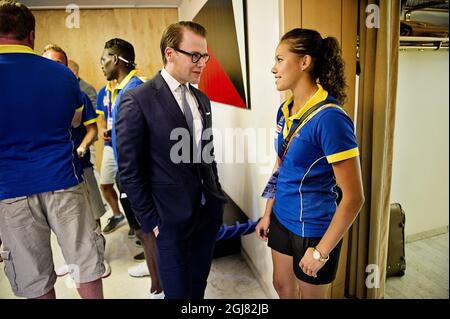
(316, 255)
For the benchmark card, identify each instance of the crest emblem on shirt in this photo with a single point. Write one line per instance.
(106, 100)
(280, 124)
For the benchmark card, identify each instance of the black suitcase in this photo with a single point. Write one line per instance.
(396, 262)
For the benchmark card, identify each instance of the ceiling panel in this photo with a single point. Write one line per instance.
(41, 4)
(417, 4)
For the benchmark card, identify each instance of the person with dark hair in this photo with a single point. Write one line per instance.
(17, 23)
(40, 191)
(118, 64)
(108, 171)
(180, 201)
(304, 222)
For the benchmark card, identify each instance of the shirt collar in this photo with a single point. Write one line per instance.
(15, 48)
(126, 80)
(108, 86)
(122, 84)
(171, 81)
(318, 97)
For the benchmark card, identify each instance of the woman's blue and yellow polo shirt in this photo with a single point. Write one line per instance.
(305, 199)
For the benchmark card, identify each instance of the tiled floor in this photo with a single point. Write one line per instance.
(427, 273)
(230, 276)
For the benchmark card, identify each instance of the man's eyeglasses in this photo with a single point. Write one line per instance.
(195, 56)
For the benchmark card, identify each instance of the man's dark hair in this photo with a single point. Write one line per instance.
(123, 49)
(54, 47)
(173, 35)
(16, 20)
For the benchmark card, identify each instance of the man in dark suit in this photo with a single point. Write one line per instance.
(172, 182)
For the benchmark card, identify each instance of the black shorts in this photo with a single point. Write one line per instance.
(284, 241)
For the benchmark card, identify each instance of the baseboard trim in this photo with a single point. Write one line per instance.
(427, 234)
(266, 289)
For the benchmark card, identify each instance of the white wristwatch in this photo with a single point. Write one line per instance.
(317, 256)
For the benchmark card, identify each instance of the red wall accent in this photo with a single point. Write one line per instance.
(216, 84)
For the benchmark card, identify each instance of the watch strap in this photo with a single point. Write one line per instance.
(322, 259)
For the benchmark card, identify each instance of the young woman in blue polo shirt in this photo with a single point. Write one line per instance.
(303, 222)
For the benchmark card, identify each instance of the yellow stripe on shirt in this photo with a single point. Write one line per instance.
(90, 122)
(15, 48)
(343, 155)
(122, 84)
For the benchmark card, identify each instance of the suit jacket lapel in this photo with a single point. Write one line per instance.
(167, 100)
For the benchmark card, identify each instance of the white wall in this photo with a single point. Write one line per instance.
(244, 182)
(420, 180)
(189, 8)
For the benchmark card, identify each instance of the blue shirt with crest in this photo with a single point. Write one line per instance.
(305, 197)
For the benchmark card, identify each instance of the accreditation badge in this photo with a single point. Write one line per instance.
(109, 123)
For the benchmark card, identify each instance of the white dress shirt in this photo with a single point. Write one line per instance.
(174, 86)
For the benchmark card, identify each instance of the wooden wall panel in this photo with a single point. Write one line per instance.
(349, 44)
(323, 16)
(336, 18)
(142, 27)
(291, 15)
(350, 27)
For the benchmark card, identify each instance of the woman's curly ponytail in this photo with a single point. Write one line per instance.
(328, 65)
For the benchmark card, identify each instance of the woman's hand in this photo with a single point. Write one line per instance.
(309, 265)
(262, 228)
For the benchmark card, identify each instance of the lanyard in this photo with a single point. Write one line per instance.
(271, 187)
(108, 106)
(297, 125)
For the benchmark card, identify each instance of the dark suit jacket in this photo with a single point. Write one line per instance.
(160, 191)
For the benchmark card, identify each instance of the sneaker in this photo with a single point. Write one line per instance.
(131, 233)
(155, 295)
(113, 223)
(140, 270)
(139, 257)
(138, 243)
(62, 271)
(107, 269)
